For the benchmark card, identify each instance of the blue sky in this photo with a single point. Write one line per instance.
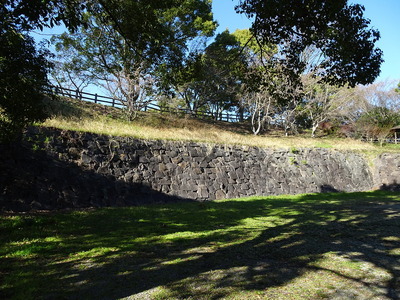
(384, 16)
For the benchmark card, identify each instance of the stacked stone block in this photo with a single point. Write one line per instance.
(206, 172)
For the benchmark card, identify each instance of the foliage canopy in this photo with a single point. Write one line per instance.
(131, 45)
(336, 28)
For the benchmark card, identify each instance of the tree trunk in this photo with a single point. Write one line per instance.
(314, 129)
(258, 121)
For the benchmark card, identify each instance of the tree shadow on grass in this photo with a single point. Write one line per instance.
(213, 250)
(200, 250)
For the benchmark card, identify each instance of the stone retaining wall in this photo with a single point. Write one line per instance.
(386, 171)
(83, 169)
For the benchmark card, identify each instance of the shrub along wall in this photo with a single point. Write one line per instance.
(71, 169)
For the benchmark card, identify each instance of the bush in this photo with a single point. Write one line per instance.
(376, 124)
(23, 80)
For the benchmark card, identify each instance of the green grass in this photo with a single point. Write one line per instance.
(288, 247)
(324, 145)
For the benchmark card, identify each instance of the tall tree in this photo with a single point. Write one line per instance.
(181, 82)
(224, 69)
(337, 29)
(24, 68)
(268, 94)
(322, 101)
(122, 60)
(209, 78)
(380, 112)
(23, 79)
(160, 27)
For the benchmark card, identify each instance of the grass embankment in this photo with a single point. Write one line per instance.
(339, 246)
(84, 116)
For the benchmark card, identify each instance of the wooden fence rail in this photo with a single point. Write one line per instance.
(149, 106)
(114, 102)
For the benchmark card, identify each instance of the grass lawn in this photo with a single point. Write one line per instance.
(325, 246)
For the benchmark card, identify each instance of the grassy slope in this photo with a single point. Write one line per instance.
(340, 246)
(80, 116)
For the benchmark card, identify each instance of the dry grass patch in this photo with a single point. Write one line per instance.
(89, 117)
(194, 130)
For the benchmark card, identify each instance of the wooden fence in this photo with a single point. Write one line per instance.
(114, 102)
(148, 106)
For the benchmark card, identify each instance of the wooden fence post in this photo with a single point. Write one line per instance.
(113, 102)
(95, 98)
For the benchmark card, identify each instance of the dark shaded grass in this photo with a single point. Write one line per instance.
(233, 248)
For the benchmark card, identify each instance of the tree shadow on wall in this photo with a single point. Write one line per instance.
(394, 187)
(326, 188)
(33, 179)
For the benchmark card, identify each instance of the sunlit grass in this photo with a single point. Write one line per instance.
(200, 133)
(287, 247)
(88, 117)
